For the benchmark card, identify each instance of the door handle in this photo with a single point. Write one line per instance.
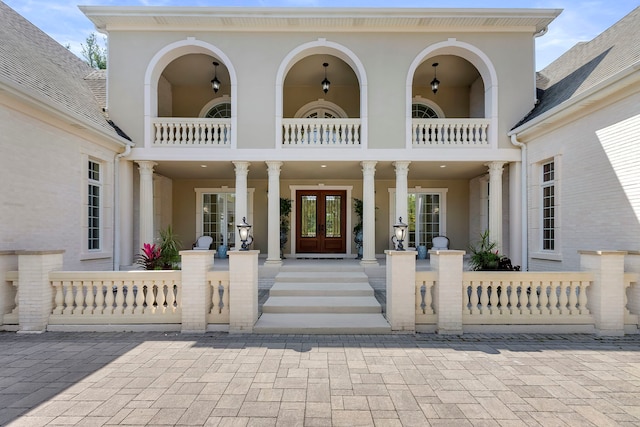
(322, 228)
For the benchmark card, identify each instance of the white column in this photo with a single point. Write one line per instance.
(146, 201)
(273, 255)
(126, 212)
(402, 192)
(495, 202)
(368, 212)
(242, 207)
(515, 213)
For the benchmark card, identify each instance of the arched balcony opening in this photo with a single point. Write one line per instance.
(321, 103)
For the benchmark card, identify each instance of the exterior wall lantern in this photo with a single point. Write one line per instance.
(325, 83)
(245, 229)
(400, 233)
(215, 83)
(435, 83)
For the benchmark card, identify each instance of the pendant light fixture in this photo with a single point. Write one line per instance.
(215, 83)
(325, 83)
(435, 83)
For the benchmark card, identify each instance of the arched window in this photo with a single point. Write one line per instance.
(321, 109)
(421, 111)
(219, 111)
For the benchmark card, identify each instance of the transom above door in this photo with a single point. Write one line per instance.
(321, 221)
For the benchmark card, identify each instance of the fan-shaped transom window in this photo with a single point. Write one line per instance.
(219, 111)
(421, 111)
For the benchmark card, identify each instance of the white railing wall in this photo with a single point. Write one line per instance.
(321, 132)
(450, 133)
(191, 132)
(116, 297)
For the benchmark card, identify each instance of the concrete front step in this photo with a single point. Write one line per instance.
(322, 276)
(306, 304)
(282, 289)
(321, 323)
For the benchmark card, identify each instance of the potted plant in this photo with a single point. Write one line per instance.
(169, 249)
(484, 255)
(285, 211)
(357, 230)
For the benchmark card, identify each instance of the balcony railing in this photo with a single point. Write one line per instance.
(191, 132)
(450, 133)
(321, 132)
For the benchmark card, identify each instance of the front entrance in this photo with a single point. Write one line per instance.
(321, 221)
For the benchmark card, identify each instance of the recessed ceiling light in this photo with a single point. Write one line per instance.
(323, 166)
(443, 166)
(203, 166)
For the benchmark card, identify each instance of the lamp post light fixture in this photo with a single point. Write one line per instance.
(215, 83)
(400, 234)
(435, 83)
(245, 229)
(325, 83)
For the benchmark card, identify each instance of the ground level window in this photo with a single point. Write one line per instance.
(94, 195)
(548, 206)
(424, 218)
(218, 216)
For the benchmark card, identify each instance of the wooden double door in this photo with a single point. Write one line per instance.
(321, 221)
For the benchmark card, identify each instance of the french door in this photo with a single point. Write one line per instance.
(321, 221)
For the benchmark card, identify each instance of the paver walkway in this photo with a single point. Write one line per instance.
(261, 380)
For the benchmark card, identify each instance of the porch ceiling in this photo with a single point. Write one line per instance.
(314, 170)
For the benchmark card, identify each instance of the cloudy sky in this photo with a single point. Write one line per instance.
(580, 21)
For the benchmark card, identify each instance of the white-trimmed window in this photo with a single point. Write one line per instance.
(216, 214)
(94, 206)
(548, 206)
(427, 214)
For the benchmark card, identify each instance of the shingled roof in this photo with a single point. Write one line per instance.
(36, 65)
(587, 64)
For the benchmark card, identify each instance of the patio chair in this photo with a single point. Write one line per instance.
(440, 243)
(203, 243)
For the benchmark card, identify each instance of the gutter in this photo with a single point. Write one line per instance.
(523, 201)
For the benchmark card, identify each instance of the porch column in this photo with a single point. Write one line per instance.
(126, 213)
(402, 170)
(516, 251)
(368, 212)
(146, 201)
(273, 255)
(495, 202)
(242, 207)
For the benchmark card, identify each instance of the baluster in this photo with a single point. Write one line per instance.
(525, 290)
(564, 299)
(109, 298)
(213, 297)
(493, 298)
(543, 300)
(199, 134)
(59, 298)
(484, 298)
(99, 298)
(216, 135)
(171, 297)
(139, 296)
(158, 133)
(582, 298)
(130, 297)
(513, 298)
(221, 294)
(68, 297)
(171, 134)
(533, 298)
(165, 133)
(423, 294)
(504, 297)
(553, 298)
(189, 132)
(573, 298)
(475, 298)
(286, 135)
(89, 298)
(458, 133)
(300, 134)
(79, 298)
(119, 308)
(483, 133)
(356, 134)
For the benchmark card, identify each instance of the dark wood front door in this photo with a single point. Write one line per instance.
(321, 221)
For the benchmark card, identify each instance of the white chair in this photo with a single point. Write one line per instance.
(440, 243)
(203, 243)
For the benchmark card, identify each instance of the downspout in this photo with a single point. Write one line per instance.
(116, 206)
(524, 196)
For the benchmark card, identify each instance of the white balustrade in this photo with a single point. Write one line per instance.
(219, 282)
(526, 297)
(450, 132)
(116, 297)
(321, 132)
(12, 318)
(191, 132)
(425, 309)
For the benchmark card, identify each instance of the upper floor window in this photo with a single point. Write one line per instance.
(94, 206)
(548, 206)
(219, 111)
(422, 111)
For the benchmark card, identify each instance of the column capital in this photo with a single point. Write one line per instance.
(273, 167)
(368, 166)
(241, 167)
(495, 167)
(145, 166)
(402, 167)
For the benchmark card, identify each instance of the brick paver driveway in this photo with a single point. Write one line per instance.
(265, 380)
